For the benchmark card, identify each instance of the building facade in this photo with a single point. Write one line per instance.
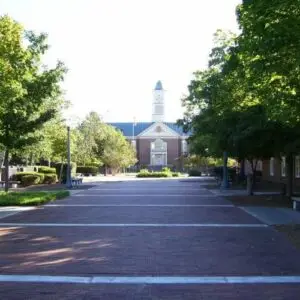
(157, 143)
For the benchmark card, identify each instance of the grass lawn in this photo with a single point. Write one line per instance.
(30, 198)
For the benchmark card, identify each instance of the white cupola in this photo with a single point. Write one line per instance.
(158, 105)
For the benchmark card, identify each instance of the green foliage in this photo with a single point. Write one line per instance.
(28, 90)
(47, 170)
(50, 179)
(58, 167)
(114, 150)
(86, 170)
(153, 174)
(195, 173)
(19, 175)
(30, 198)
(28, 180)
(176, 174)
(166, 170)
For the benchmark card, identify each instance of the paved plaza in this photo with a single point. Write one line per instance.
(145, 239)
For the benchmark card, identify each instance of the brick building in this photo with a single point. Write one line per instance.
(158, 143)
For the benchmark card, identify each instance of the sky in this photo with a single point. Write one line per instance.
(116, 50)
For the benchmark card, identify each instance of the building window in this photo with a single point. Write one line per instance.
(183, 146)
(272, 166)
(259, 166)
(297, 166)
(283, 166)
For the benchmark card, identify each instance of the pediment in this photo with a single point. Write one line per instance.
(159, 129)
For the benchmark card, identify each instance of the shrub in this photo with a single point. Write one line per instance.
(86, 170)
(27, 180)
(166, 170)
(153, 174)
(47, 170)
(50, 178)
(176, 174)
(218, 171)
(64, 173)
(195, 173)
(19, 175)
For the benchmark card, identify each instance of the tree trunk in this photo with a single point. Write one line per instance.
(61, 171)
(249, 184)
(225, 183)
(242, 170)
(290, 175)
(6, 165)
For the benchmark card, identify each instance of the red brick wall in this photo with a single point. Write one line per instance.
(277, 173)
(173, 150)
(143, 150)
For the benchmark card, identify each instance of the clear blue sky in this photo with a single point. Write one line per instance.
(116, 50)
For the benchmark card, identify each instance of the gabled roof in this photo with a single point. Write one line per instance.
(127, 127)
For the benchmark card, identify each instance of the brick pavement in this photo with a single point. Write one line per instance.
(144, 251)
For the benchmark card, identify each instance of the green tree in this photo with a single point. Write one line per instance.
(114, 150)
(89, 130)
(268, 48)
(26, 87)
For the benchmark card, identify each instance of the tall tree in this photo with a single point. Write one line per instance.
(26, 87)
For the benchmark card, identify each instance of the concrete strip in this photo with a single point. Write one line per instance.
(142, 195)
(140, 205)
(131, 225)
(145, 188)
(151, 279)
(273, 215)
(12, 210)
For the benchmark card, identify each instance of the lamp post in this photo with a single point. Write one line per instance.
(69, 180)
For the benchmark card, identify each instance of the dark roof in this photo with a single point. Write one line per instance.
(126, 127)
(158, 86)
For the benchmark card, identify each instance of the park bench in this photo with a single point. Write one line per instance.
(296, 203)
(13, 184)
(76, 181)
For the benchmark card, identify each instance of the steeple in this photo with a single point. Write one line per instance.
(158, 105)
(158, 86)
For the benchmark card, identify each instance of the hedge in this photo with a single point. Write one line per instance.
(50, 178)
(147, 174)
(86, 170)
(47, 170)
(64, 173)
(28, 180)
(19, 175)
(195, 173)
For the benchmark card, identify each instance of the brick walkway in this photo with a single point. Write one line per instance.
(145, 240)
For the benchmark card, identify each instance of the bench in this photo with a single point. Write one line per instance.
(296, 203)
(13, 184)
(76, 181)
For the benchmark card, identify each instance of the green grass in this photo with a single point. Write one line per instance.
(30, 198)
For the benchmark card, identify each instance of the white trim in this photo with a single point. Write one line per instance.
(283, 166)
(297, 166)
(162, 225)
(139, 205)
(149, 132)
(272, 166)
(143, 195)
(151, 279)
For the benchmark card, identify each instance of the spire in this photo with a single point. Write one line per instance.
(158, 86)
